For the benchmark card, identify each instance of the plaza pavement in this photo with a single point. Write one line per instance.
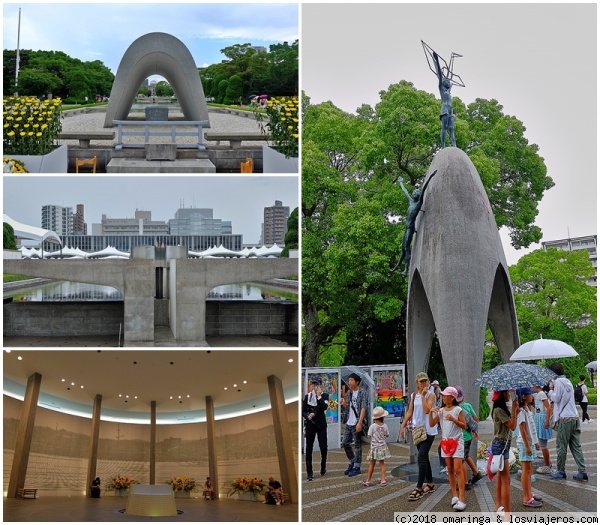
(335, 497)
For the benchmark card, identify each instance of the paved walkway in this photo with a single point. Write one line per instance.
(335, 497)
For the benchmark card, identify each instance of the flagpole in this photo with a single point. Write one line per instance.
(18, 57)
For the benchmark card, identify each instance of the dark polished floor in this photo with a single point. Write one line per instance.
(107, 509)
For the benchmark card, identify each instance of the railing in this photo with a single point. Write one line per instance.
(174, 132)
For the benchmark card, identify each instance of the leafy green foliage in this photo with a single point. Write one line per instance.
(274, 72)
(353, 208)
(291, 238)
(8, 235)
(43, 72)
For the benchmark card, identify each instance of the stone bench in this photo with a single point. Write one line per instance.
(235, 138)
(23, 493)
(84, 137)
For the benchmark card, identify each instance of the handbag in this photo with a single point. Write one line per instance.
(419, 434)
(449, 446)
(497, 463)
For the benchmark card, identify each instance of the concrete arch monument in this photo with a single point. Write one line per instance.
(157, 54)
(459, 280)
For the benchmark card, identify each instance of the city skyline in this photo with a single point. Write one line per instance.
(240, 200)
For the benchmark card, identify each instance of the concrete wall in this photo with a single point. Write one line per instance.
(63, 318)
(103, 318)
(251, 318)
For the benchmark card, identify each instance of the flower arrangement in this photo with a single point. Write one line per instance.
(484, 450)
(282, 124)
(30, 125)
(247, 484)
(13, 166)
(121, 483)
(182, 484)
(513, 459)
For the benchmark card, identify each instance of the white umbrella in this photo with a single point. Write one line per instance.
(592, 365)
(543, 349)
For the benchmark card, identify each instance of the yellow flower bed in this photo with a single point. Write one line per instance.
(30, 125)
(282, 124)
(121, 482)
(13, 166)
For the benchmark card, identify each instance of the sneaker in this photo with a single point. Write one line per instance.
(559, 474)
(367, 483)
(454, 501)
(461, 505)
(309, 478)
(354, 472)
(500, 510)
(581, 476)
(533, 503)
(277, 503)
(544, 470)
(444, 470)
(476, 478)
(347, 471)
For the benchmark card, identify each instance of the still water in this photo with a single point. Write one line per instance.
(70, 291)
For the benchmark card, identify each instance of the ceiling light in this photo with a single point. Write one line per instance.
(178, 397)
(234, 385)
(20, 358)
(134, 397)
(188, 395)
(81, 386)
(245, 382)
(290, 360)
(72, 384)
(63, 380)
(7, 351)
(225, 388)
(171, 397)
(120, 395)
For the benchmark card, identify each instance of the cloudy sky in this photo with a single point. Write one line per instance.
(240, 200)
(104, 31)
(538, 60)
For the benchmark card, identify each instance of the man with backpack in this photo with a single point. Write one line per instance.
(565, 417)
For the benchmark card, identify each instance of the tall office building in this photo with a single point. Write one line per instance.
(198, 221)
(79, 225)
(275, 224)
(57, 219)
(589, 243)
(141, 224)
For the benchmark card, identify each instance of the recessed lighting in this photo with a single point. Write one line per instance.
(290, 360)
(245, 382)
(63, 380)
(178, 397)
(20, 358)
(8, 351)
(171, 397)
(134, 397)
(234, 386)
(81, 386)
(127, 397)
(120, 395)
(72, 384)
(188, 395)
(225, 388)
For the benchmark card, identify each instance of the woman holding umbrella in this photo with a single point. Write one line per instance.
(505, 422)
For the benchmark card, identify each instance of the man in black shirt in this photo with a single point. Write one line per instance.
(314, 406)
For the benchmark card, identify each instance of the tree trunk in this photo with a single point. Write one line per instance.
(310, 356)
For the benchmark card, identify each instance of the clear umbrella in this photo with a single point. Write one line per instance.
(543, 349)
(366, 381)
(592, 365)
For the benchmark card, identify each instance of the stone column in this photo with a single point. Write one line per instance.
(93, 457)
(283, 439)
(213, 470)
(24, 435)
(152, 442)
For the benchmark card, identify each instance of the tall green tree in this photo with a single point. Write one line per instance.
(554, 301)
(353, 208)
(292, 235)
(8, 234)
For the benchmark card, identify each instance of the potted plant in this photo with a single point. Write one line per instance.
(121, 484)
(247, 488)
(280, 121)
(182, 486)
(31, 128)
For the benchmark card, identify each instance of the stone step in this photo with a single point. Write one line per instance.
(122, 165)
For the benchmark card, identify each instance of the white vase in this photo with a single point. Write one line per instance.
(247, 496)
(275, 162)
(57, 161)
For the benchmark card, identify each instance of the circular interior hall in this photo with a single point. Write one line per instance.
(70, 416)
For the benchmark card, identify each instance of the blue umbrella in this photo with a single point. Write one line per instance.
(514, 375)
